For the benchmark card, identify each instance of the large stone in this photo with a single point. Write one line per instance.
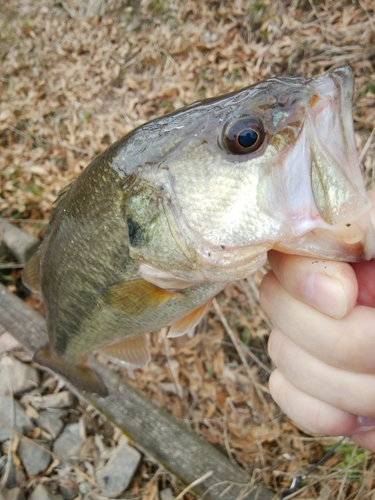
(69, 442)
(35, 460)
(117, 473)
(9, 409)
(16, 377)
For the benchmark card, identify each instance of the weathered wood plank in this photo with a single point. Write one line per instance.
(160, 435)
(20, 244)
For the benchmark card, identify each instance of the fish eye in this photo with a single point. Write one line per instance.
(244, 135)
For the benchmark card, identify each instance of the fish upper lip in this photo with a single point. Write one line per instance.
(336, 86)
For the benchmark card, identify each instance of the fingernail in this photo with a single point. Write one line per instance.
(366, 421)
(326, 294)
(365, 424)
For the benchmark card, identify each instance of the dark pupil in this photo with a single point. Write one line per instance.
(247, 138)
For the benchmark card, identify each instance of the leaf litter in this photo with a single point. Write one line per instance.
(74, 77)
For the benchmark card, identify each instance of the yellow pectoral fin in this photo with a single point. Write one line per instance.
(132, 353)
(136, 297)
(189, 321)
(80, 376)
(30, 275)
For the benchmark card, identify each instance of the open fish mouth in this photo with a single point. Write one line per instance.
(336, 181)
(334, 202)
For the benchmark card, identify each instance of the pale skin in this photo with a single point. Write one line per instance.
(324, 343)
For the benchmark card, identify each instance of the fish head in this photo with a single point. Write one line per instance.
(270, 166)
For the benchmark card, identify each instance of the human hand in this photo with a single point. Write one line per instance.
(324, 343)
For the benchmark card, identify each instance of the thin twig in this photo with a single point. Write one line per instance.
(237, 344)
(347, 468)
(177, 385)
(194, 483)
(11, 265)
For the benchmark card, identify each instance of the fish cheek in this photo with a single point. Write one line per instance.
(154, 236)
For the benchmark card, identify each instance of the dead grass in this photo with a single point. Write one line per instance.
(76, 76)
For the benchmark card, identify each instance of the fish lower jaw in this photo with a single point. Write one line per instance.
(220, 267)
(346, 244)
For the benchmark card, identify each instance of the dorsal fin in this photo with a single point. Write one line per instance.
(61, 195)
(30, 275)
(189, 321)
(132, 353)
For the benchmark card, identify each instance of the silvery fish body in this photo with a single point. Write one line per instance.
(162, 220)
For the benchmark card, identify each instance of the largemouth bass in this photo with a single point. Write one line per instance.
(161, 221)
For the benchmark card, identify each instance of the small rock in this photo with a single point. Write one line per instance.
(69, 442)
(50, 421)
(69, 488)
(34, 459)
(8, 408)
(19, 243)
(16, 377)
(166, 494)
(12, 494)
(42, 492)
(116, 475)
(63, 399)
